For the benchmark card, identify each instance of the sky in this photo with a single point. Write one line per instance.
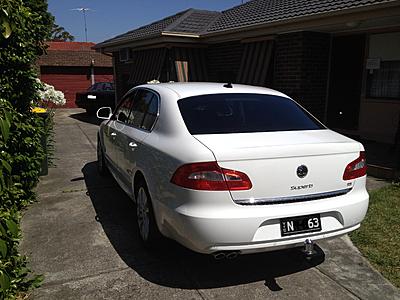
(108, 18)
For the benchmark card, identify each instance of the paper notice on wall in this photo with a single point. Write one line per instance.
(373, 63)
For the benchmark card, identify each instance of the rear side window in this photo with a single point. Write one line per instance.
(240, 113)
(151, 113)
(144, 110)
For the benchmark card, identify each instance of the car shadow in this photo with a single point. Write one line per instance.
(87, 118)
(171, 264)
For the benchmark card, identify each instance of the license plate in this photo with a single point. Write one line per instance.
(300, 224)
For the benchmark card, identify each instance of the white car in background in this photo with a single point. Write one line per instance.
(228, 169)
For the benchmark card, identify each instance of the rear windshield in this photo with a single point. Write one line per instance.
(240, 113)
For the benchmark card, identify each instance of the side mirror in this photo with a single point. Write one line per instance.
(104, 113)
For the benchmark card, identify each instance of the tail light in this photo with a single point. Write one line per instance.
(357, 168)
(210, 176)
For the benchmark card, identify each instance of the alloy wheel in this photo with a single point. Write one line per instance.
(143, 214)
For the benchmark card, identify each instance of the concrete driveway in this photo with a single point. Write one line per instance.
(82, 236)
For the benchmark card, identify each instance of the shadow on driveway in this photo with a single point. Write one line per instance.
(85, 117)
(172, 265)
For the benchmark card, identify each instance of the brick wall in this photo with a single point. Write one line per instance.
(223, 61)
(301, 68)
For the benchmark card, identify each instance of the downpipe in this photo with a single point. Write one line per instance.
(225, 255)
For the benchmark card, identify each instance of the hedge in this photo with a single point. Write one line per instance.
(24, 25)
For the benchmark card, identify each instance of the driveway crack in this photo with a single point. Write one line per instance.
(87, 137)
(61, 282)
(338, 283)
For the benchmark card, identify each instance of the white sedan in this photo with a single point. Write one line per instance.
(229, 169)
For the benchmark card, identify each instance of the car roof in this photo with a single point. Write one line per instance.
(189, 89)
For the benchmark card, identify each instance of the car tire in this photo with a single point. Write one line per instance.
(147, 225)
(101, 161)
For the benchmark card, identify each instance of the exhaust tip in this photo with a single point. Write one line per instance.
(232, 255)
(226, 254)
(219, 255)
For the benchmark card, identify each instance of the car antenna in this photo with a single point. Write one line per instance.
(228, 85)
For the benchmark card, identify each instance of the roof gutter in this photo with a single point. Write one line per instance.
(146, 40)
(180, 34)
(161, 39)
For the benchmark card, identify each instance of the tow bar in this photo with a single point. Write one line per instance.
(309, 248)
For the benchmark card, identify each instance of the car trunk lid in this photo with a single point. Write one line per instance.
(272, 160)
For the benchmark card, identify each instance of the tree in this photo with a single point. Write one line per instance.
(43, 16)
(58, 33)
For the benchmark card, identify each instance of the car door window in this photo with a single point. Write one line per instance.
(122, 112)
(144, 110)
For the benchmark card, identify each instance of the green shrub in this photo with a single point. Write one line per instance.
(14, 276)
(23, 154)
(20, 156)
(24, 24)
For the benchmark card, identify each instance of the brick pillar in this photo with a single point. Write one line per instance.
(301, 68)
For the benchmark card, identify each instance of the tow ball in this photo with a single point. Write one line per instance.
(309, 250)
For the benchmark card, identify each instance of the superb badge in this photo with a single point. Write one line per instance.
(302, 171)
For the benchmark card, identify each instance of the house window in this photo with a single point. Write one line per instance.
(383, 81)
(124, 54)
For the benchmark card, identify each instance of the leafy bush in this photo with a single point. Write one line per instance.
(5, 167)
(24, 24)
(20, 156)
(14, 276)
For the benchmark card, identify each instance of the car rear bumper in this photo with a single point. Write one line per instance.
(280, 244)
(225, 227)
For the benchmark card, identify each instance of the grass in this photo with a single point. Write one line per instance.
(378, 239)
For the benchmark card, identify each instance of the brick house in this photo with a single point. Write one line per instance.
(338, 58)
(71, 67)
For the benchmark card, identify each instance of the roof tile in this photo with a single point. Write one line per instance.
(73, 54)
(251, 13)
(191, 20)
(267, 11)
(195, 22)
(146, 31)
(70, 46)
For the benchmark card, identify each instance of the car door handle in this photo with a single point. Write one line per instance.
(132, 145)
